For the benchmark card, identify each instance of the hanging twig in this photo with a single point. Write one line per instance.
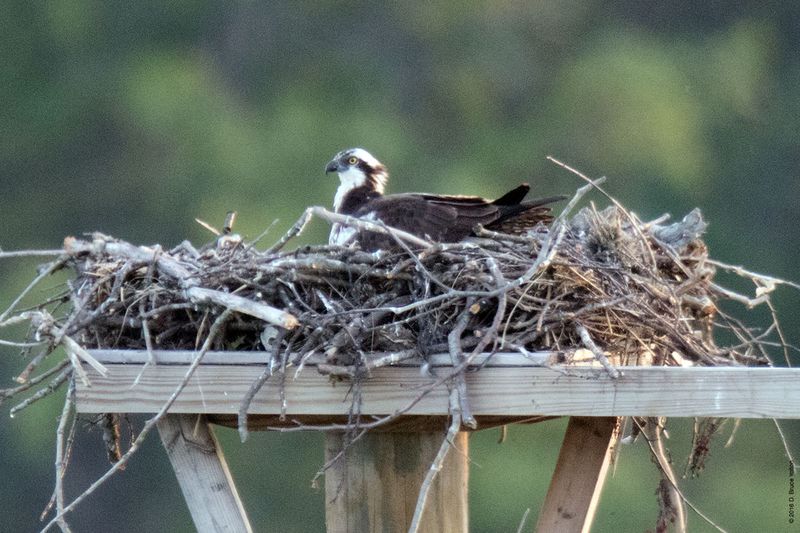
(438, 462)
(150, 424)
(671, 480)
(457, 356)
(257, 384)
(61, 464)
(671, 508)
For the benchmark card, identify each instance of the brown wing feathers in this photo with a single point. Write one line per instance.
(508, 213)
(452, 218)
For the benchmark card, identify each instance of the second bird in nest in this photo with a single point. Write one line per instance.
(440, 218)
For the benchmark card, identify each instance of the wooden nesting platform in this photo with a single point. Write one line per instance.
(509, 388)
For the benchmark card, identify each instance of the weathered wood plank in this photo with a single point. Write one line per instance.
(577, 482)
(203, 474)
(374, 486)
(495, 391)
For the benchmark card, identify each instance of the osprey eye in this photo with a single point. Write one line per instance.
(352, 160)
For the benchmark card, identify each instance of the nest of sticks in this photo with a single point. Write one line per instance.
(598, 280)
(602, 281)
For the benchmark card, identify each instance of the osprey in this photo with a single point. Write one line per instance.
(439, 218)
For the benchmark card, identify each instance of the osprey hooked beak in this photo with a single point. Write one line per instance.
(333, 166)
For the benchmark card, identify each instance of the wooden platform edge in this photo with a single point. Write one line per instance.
(510, 389)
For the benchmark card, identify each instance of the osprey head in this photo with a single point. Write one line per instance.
(358, 168)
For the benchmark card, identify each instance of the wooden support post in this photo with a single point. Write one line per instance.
(374, 486)
(579, 475)
(203, 474)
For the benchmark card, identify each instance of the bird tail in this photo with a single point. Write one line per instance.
(514, 196)
(519, 218)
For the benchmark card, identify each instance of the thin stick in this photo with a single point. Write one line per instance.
(60, 463)
(457, 356)
(748, 302)
(685, 500)
(763, 278)
(21, 344)
(41, 393)
(30, 253)
(52, 267)
(150, 424)
(785, 442)
(76, 350)
(436, 465)
(261, 235)
(781, 337)
(8, 393)
(671, 505)
(587, 340)
(148, 342)
(522, 522)
(368, 225)
(635, 225)
(293, 232)
(256, 386)
(32, 364)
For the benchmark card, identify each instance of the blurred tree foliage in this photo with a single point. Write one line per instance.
(133, 118)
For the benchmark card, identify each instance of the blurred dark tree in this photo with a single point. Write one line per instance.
(135, 118)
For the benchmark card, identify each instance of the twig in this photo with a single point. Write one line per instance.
(76, 352)
(67, 455)
(9, 393)
(590, 345)
(256, 386)
(765, 281)
(239, 304)
(368, 225)
(250, 245)
(524, 520)
(438, 462)
(457, 356)
(32, 365)
(30, 253)
(786, 449)
(60, 464)
(785, 346)
(490, 335)
(41, 393)
(21, 344)
(671, 505)
(635, 224)
(138, 254)
(150, 424)
(749, 302)
(148, 342)
(683, 498)
(52, 267)
(293, 232)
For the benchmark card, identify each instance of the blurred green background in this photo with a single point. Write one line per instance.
(133, 118)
